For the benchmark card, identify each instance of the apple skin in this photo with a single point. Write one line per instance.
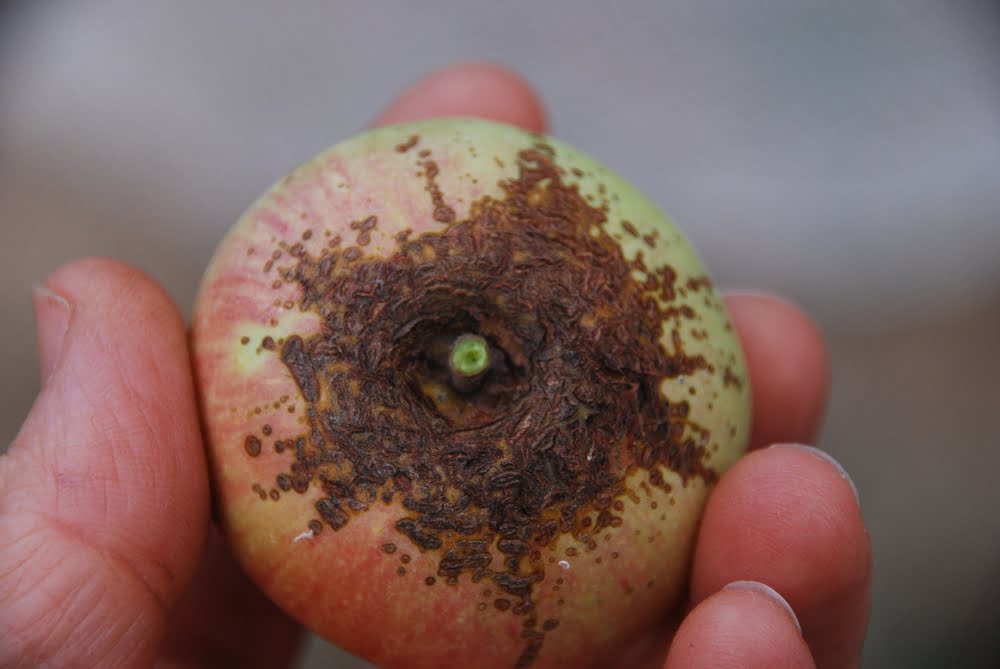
(593, 592)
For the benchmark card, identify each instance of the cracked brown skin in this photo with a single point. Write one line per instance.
(489, 480)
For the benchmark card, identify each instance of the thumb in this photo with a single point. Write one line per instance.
(103, 494)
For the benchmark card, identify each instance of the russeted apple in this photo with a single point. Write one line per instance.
(465, 392)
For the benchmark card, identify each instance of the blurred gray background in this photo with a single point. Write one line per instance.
(846, 154)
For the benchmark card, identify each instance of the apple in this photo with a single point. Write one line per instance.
(465, 392)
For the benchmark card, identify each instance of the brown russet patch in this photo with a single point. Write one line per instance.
(541, 449)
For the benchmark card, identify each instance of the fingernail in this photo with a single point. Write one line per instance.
(52, 313)
(770, 593)
(826, 457)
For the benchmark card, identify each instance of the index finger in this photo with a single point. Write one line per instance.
(477, 90)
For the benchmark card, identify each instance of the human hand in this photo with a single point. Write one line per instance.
(106, 553)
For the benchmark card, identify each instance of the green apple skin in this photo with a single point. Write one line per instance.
(349, 553)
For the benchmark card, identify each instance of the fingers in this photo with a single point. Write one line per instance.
(788, 517)
(787, 366)
(477, 90)
(105, 495)
(746, 625)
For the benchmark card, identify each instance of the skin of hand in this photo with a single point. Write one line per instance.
(108, 557)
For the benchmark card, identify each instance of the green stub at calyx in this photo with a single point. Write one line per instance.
(470, 355)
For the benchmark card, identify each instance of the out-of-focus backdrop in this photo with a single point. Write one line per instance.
(846, 154)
